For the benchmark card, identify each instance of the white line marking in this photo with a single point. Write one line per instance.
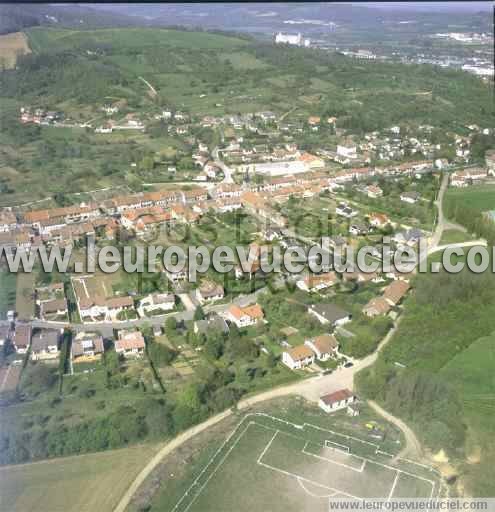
(311, 493)
(320, 457)
(293, 475)
(298, 427)
(267, 447)
(393, 486)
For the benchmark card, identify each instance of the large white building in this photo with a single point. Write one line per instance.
(276, 168)
(293, 39)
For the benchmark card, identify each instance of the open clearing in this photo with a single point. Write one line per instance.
(11, 46)
(271, 464)
(478, 197)
(85, 483)
(7, 292)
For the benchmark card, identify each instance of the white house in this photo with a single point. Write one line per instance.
(410, 197)
(346, 152)
(298, 357)
(130, 343)
(324, 346)
(335, 401)
(246, 316)
(156, 302)
(315, 282)
(209, 291)
(345, 210)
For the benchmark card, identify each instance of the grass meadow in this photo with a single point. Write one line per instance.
(74, 484)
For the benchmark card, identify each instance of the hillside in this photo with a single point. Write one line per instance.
(14, 18)
(200, 73)
(437, 373)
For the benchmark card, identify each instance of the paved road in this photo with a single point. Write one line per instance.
(470, 243)
(106, 328)
(227, 171)
(437, 234)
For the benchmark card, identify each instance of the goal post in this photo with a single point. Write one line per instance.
(337, 446)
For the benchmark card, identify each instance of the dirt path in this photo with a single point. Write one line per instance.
(153, 91)
(311, 389)
(413, 446)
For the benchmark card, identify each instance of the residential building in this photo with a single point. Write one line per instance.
(374, 191)
(298, 357)
(8, 221)
(376, 306)
(22, 338)
(358, 229)
(53, 309)
(214, 323)
(245, 316)
(330, 314)
(324, 346)
(410, 197)
(45, 345)
(87, 346)
(395, 292)
(347, 151)
(209, 291)
(156, 303)
(378, 220)
(344, 210)
(130, 343)
(336, 401)
(315, 282)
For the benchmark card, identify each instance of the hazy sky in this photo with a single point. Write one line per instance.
(433, 6)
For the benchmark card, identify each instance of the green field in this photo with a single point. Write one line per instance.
(472, 373)
(24, 303)
(74, 484)
(268, 463)
(7, 292)
(454, 236)
(42, 39)
(477, 197)
(438, 371)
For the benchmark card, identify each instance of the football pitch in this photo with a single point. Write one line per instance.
(267, 463)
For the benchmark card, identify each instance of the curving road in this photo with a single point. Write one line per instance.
(311, 389)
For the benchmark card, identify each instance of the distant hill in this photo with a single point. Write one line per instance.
(17, 17)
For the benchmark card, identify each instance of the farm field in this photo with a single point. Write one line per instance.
(76, 484)
(471, 372)
(11, 46)
(24, 303)
(7, 292)
(271, 464)
(55, 39)
(478, 197)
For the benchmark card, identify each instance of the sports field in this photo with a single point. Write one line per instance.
(270, 464)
